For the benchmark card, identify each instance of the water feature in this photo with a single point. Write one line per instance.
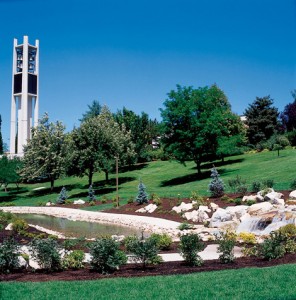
(266, 223)
(72, 228)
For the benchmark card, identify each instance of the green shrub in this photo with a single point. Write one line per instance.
(73, 260)
(237, 184)
(92, 203)
(19, 225)
(226, 242)
(130, 200)
(144, 251)
(190, 245)
(163, 241)
(290, 246)
(250, 251)
(104, 199)
(185, 226)
(288, 231)
(268, 183)
(156, 200)
(197, 198)
(247, 237)
(46, 253)
(256, 185)
(293, 184)
(62, 196)
(129, 239)
(9, 253)
(238, 201)
(142, 196)
(106, 256)
(250, 202)
(272, 247)
(242, 189)
(6, 217)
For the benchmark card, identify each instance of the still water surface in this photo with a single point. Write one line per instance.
(71, 228)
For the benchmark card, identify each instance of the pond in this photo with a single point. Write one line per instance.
(71, 228)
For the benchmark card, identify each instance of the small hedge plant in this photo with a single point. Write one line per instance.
(106, 256)
(190, 245)
(9, 253)
(163, 241)
(226, 242)
(73, 260)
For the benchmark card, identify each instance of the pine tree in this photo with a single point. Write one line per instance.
(91, 194)
(142, 195)
(62, 196)
(216, 186)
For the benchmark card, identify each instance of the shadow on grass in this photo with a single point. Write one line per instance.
(136, 167)
(209, 165)
(189, 178)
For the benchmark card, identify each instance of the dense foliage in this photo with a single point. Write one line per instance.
(198, 122)
(9, 171)
(9, 252)
(142, 196)
(106, 256)
(216, 186)
(262, 120)
(45, 153)
(190, 245)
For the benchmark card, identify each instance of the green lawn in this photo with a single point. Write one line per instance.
(250, 283)
(165, 179)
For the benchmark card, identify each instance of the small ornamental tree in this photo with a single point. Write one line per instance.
(216, 186)
(91, 194)
(62, 196)
(142, 195)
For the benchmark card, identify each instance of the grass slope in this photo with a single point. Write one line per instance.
(166, 179)
(250, 283)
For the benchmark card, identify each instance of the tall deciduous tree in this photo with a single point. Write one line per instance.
(143, 130)
(262, 120)
(44, 155)
(194, 121)
(96, 143)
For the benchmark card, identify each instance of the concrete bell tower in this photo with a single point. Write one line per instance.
(24, 100)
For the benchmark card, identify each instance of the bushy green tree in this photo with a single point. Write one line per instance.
(9, 253)
(1, 140)
(288, 116)
(142, 196)
(194, 121)
(9, 171)
(216, 186)
(45, 153)
(96, 143)
(277, 142)
(143, 130)
(262, 120)
(93, 110)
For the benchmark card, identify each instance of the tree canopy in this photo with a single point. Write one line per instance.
(45, 152)
(96, 143)
(195, 120)
(262, 120)
(288, 116)
(9, 171)
(94, 109)
(1, 140)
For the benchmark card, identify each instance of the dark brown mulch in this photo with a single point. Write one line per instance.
(132, 270)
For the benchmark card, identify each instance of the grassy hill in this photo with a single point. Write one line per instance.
(166, 179)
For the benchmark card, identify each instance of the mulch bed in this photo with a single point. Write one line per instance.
(133, 270)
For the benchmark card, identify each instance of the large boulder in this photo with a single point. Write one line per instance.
(273, 197)
(197, 216)
(150, 208)
(183, 207)
(238, 210)
(220, 215)
(79, 202)
(214, 206)
(250, 197)
(260, 208)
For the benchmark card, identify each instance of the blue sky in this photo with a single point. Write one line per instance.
(132, 53)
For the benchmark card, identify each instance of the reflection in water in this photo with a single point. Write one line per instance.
(72, 228)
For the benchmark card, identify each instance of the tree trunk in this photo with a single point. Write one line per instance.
(51, 184)
(90, 176)
(106, 176)
(198, 168)
(278, 152)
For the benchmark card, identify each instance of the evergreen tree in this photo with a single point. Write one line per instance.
(93, 110)
(262, 120)
(1, 140)
(62, 196)
(142, 195)
(216, 186)
(91, 193)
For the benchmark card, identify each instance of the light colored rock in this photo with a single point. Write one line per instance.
(79, 202)
(259, 198)
(292, 195)
(250, 197)
(197, 216)
(245, 217)
(214, 206)
(9, 227)
(280, 202)
(262, 193)
(204, 208)
(260, 208)
(48, 204)
(229, 225)
(150, 208)
(273, 197)
(183, 207)
(220, 215)
(238, 210)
